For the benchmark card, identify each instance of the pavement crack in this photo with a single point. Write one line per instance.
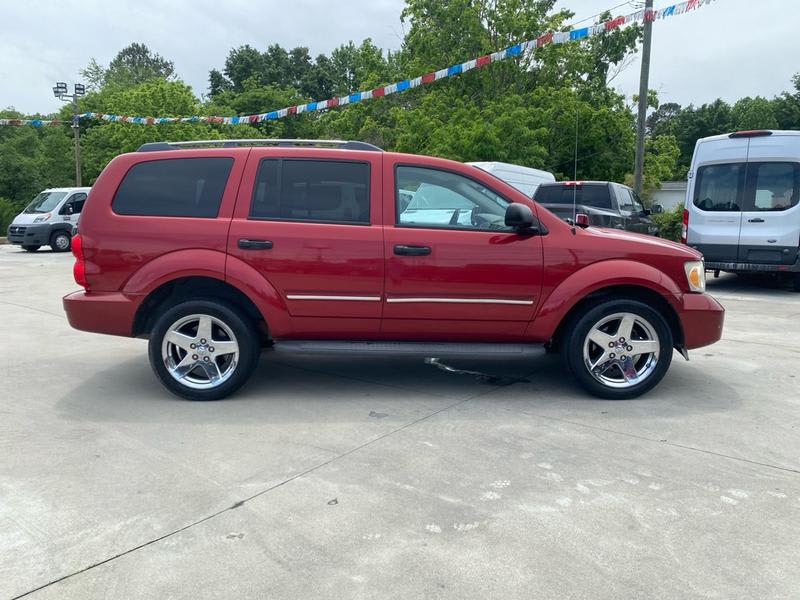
(658, 441)
(242, 501)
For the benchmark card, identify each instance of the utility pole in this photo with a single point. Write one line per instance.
(60, 92)
(644, 77)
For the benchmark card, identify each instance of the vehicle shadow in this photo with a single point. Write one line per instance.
(756, 283)
(318, 389)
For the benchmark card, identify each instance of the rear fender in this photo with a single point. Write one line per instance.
(212, 264)
(262, 293)
(592, 278)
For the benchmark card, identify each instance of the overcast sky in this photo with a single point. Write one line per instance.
(728, 49)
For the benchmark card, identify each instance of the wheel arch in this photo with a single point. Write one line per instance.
(622, 279)
(179, 289)
(621, 292)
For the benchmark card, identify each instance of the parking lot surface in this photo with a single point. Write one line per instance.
(330, 477)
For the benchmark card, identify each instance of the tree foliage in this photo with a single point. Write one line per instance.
(522, 110)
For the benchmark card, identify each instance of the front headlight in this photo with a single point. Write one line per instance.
(42, 218)
(696, 275)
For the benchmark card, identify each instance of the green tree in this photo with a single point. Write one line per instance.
(133, 65)
(753, 113)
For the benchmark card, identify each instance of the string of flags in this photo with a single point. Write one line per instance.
(553, 37)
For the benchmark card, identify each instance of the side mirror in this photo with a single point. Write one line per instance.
(657, 209)
(519, 216)
(582, 220)
(69, 209)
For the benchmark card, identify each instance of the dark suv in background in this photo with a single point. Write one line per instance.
(607, 204)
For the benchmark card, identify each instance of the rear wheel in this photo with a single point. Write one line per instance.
(796, 282)
(203, 349)
(60, 241)
(31, 248)
(618, 349)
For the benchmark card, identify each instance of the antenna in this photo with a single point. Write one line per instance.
(575, 173)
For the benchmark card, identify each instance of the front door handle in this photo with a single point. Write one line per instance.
(756, 220)
(245, 244)
(404, 250)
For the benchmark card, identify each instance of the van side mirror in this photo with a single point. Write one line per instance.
(69, 209)
(657, 209)
(519, 217)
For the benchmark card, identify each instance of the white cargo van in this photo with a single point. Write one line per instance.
(525, 179)
(742, 207)
(49, 219)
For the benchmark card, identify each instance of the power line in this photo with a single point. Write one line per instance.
(629, 2)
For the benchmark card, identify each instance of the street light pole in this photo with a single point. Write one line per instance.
(643, 88)
(60, 92)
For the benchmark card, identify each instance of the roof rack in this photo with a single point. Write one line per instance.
(345, 145)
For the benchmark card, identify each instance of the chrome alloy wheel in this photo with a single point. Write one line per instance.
(200, 351)
(621, 350)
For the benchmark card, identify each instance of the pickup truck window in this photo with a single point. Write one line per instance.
(587, 194)
(175, 187)
(441, 199)
(330, 191)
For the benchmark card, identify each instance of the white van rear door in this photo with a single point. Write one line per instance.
(771, 218)
(715, 213)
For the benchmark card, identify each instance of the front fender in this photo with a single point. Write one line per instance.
(594, 277)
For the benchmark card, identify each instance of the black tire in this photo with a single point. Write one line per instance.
(652, 369)
(31, 248)
(244, 333)
(60, 241)
(796, 282)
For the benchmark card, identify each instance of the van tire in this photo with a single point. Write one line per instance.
(31, 248)
(649, 326)
(60, 241)
(796, 282)
(224, 316)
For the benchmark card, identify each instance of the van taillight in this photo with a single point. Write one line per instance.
(685, 226)
(79, 269)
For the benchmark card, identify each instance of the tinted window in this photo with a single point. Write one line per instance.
(718, 187)
(589, 194)
(177, 187)
(311, 190)
(776, 186)
(433, 198)
(76, 202)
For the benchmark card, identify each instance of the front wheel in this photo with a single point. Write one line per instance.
(60, 241)
(618, 349)
(203, 349)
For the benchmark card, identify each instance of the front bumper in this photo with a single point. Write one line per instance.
(111, 313)
(701, 319)
(29, 235)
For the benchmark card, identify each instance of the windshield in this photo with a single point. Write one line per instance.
(45, 202)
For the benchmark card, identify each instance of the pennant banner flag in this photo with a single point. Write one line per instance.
(558, 37)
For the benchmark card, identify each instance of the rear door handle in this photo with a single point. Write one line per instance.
(404, 250)
(756, 220)
(254, 244)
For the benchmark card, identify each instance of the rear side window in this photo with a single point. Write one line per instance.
(176, 187)
(719, 187)
(330, 191)
(589, 194)
(775, 187)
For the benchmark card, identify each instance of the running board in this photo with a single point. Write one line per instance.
(419, 349)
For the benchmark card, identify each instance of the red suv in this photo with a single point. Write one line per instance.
(215, 250)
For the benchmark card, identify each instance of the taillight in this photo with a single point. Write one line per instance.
(685, 227)
(79, 268)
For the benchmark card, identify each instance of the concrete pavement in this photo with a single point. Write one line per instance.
(329, 477)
